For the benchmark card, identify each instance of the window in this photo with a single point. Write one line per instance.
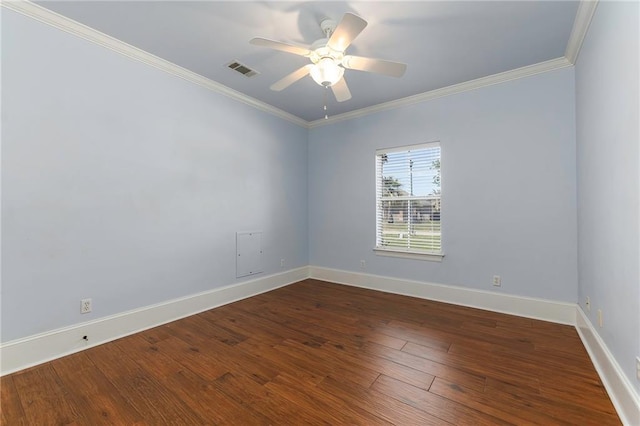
(408, 201)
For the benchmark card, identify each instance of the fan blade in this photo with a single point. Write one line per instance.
(341, 90)
(392, 69)
(277, 45)
(347, 30)
(291, 78)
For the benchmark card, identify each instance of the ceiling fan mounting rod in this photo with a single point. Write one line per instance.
(328, 26)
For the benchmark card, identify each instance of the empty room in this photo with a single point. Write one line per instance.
(354, 212)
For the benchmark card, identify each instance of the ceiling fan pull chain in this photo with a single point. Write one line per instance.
(326, 117)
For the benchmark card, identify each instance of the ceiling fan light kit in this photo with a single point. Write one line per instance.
(326, 72)
(328, 59)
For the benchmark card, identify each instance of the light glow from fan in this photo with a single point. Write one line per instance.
(326, 72)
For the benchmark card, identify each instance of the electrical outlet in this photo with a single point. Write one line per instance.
(587, 304)
(282, 263)
(497, 281)
(85, 306)
(600, 317)
(363, 263)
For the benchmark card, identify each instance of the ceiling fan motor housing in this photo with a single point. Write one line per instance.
(328, 59)
(327, 70)
(320, 50)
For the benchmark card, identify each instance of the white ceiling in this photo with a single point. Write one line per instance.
(443, 42)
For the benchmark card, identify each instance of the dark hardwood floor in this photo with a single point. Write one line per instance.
(321, 353)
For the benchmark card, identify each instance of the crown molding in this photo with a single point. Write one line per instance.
(478, 83)
(39, 13)
(586, 9)
(70, 26)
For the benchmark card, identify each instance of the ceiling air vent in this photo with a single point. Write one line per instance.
(242, 69)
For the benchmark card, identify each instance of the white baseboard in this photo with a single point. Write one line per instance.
(29, 351)
(547, 310)
(625, 399)
(622, 394)
(33, 350)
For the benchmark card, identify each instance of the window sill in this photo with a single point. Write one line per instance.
(432, 257)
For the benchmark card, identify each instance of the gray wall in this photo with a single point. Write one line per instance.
(508, 185)
(608, 182)
(125, 184)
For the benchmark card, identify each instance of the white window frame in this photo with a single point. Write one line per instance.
(410, 253)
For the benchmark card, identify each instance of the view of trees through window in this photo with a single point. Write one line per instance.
(408, 199)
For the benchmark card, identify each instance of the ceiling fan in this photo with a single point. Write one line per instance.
(328, 59)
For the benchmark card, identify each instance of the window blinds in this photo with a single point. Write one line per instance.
(408, 199)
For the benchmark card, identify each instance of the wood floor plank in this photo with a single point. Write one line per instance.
(558, 406)
(315, 359)
(156, 334)
(322, 333)
(379, 404)
(222, 333)
(455, 375)
(101, 401)
(382, 365)
(10, 405)
(270, 325)
(258, 328)
(223, 355)
(205, 397)
(336, 411)
(266, 402)
(509, 386)
(318, 353)
(150, 356)
(411, 333)
(442, 408)
(268, 355)
(142, 389)
(336, 323)
(43, 398)
(190, 356)
(485, 365)
(572, 390)
(579, 362)
(386, 340)
(515, 413)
